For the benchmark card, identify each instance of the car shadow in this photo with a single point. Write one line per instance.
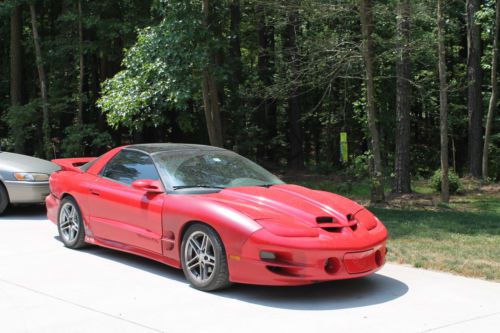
(25, 212)
(371, 290)
(333, 295)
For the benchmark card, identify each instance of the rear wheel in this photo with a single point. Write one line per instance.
(4, 198)
(204, 259)
(70, 224)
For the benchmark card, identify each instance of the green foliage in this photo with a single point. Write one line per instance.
(85, 140)
(361, 165)
(162, 71)
(455, 185)
(22, 122)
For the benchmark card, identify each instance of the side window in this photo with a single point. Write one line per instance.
(128, 166)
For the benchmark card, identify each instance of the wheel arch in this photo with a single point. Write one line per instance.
(6, 191)
(2, 185)
(188, 224)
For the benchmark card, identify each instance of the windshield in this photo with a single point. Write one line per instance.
(212, 169)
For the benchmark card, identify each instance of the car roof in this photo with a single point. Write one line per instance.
(152, 148)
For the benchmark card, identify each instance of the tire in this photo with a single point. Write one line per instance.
(4, 198)
(203, 258)
(70, 224)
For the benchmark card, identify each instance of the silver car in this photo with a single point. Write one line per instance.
(23, 179)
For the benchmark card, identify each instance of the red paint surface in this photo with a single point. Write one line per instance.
(280, 219)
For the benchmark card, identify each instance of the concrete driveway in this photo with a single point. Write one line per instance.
(45, 287)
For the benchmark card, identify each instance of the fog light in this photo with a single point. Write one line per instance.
(332, 265)
(266, 255)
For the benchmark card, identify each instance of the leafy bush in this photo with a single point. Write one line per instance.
(84, 140)
(22, 123)
(454, 181)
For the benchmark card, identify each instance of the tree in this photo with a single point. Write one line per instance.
(266, 117)
(210, 92)
(402, 182)
(16, 63)
(81, 56)
(474, 78)
(494, 93)
(291, 58)
(366, 15)
(43, 81)
(443, 104)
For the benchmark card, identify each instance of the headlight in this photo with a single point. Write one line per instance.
(31, 177)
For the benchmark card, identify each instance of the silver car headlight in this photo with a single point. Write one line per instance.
(31, 176)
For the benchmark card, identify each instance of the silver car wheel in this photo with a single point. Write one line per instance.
(69, 222)
(199, 256)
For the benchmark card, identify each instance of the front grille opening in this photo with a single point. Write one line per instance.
(324, 219)
(284, 271)
(333, 229)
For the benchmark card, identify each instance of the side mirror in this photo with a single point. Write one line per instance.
(148, 185)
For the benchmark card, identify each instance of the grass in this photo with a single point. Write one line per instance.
(462, 237)
(461, 242)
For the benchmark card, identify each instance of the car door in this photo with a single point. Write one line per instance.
(121, 213)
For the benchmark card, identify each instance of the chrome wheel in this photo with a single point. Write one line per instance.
(199, 256)
(69, 222)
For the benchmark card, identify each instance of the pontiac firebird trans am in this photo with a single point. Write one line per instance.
(213, 213)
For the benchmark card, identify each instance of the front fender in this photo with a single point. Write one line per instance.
(233, 227)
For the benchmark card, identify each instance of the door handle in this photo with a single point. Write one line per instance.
(94, 192)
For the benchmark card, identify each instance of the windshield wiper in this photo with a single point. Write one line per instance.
(180, 187)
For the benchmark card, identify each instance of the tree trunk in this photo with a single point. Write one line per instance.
(290, 55)
(266, 118)
(210, 92)
(16, 65)
(494, 92)
(79, 117)
(43, 82)
(366, 15)
(443, 104)
(402, 183)
(474, 77)
(234, 43)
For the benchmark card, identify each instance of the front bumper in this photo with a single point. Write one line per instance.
(307, 260)
(26, 192)
(52, 204)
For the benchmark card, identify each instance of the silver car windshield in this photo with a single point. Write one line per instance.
(217, 169)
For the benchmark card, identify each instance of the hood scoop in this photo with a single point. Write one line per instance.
(329, 224)
(324, 219)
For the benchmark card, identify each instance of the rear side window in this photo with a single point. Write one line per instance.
(130, 165)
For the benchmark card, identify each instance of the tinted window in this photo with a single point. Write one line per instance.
(128, 166)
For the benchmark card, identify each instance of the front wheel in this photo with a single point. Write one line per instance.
(70, 224)
(203, 258)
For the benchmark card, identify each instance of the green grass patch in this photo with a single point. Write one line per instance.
(466, 243)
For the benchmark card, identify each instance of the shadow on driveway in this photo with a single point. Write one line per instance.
(25, 212)
(371, 290)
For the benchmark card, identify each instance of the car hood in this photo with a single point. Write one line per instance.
(23, 163)
(289, 210)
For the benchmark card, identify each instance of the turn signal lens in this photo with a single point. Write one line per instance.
(31, 177)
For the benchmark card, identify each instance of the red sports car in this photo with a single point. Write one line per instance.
(213, 213)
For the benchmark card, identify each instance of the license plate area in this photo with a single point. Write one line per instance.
(360, 262)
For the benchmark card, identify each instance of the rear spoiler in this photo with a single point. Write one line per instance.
(73, 164)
